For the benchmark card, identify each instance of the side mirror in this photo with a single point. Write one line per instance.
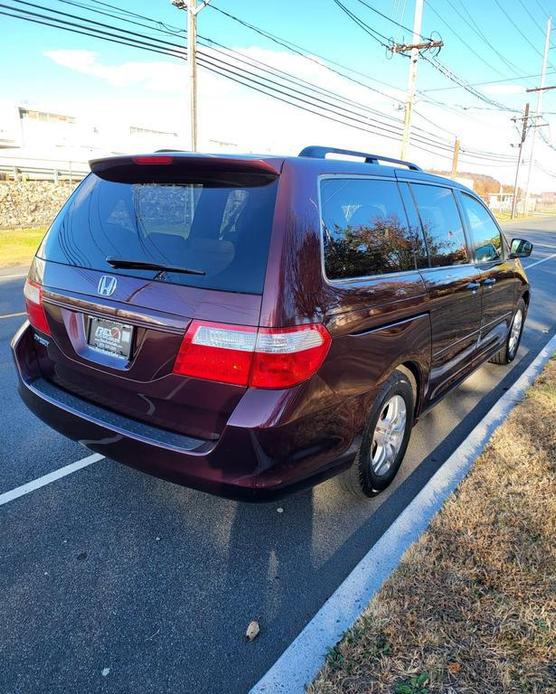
(520, 248)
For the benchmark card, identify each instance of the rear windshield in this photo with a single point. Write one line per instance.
(219, 226)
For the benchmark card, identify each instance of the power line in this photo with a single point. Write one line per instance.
(285, 43)
(298, 49)
(224, 68)
(306, 53)
(542, 9)
(253, 62)
(73, 16)
(444, 70)
(177, 31)
(316, 58)
(380, 38)
(435, 63)
(465, 85)
(267, 68)
(460, 38)
(476, 29)
(531, 16)
(518, 29)
(454, 108)
(366, 4)
(552, 174)
(546, 141)
(124, 15)
(53, 23)
(480, 84)
(393, 21)
(499, 106)
(263, 85)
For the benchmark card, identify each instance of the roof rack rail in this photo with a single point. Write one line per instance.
(320, 153)
(161, 151)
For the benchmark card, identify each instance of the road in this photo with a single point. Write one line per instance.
(114, 581)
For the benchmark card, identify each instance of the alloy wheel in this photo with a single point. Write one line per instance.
(515, 332)
(388, 435)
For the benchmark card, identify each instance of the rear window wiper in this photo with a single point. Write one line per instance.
(146, 265)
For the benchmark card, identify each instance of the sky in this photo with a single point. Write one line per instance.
(492, 42)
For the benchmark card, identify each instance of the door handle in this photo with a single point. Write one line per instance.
(473, 286)
(489, 281)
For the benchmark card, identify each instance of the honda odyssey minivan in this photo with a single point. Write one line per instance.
(251, 325)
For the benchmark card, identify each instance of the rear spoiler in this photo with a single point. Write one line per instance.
(174, 167)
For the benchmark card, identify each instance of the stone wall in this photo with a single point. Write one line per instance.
(31, 203)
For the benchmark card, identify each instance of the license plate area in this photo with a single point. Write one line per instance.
(110, 337)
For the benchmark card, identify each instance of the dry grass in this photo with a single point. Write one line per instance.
(18, 246)
(472, 607)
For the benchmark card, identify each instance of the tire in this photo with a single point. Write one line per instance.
(366, 479)
(507, 354)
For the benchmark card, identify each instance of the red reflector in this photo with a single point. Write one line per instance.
(153, 161)
(246, 356)
(35, 309)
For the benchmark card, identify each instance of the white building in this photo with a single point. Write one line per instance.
(34, 137)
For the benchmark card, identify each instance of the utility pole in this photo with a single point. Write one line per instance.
(192, 11)
(417, 44)
(525, 119)
(455, 157)
(417, 22)
(540, 93)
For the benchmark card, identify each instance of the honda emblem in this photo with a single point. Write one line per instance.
(107, 285)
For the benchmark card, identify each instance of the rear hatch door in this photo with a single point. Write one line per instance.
(204, 224)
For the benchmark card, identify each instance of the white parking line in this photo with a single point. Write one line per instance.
(50, 477)
(542, 260)
(13, 315)
(304, 657)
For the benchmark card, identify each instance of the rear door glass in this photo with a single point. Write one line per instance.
(365, 228)
(487, 240)
(441, 224)
(221, 227)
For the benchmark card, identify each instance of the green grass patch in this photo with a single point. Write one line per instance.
(18, 246)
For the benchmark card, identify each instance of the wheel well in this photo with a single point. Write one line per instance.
(411, 370)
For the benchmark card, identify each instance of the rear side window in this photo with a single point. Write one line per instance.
(221, 227)
(441, 224)
(365, 228)
(487, 241)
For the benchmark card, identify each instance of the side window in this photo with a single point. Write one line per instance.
(441, 224)
(365, 228)
(486, 235)
(421, 252)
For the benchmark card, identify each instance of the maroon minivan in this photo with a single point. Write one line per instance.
(251, 325)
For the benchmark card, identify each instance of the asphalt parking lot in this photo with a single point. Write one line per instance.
(114, 581)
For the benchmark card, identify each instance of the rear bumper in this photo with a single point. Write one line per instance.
(250, 463)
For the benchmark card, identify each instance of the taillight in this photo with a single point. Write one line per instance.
(287, 356)
(35, 309)
(217, 352)
(259, 357)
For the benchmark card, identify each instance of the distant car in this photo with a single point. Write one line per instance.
(251, 325)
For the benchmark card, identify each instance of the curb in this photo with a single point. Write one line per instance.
(304, 657)
(15, 272)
